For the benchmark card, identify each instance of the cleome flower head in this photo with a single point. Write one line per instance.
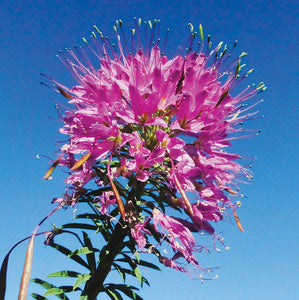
(157, 130)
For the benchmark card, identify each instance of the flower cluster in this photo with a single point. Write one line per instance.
(156, 132)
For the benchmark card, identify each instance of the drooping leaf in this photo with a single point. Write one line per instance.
(38, 297)
(81, 278)
(114, 295)
(126, 289)
(43, 283)
(59, 292)
(148, 265)
(67, 252)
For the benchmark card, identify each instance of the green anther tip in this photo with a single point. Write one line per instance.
(96, 28)
(201, 32)
(243, 54)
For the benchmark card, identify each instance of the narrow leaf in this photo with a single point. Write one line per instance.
(138, 275)
(38, 297)
(84, 250)
(127, 289)
(79, 226)
(55, 291)
(70, 254)
(81, 278)
(64, 273)
(114, 295)
(148, 264)
(43, 283)
(90, 256)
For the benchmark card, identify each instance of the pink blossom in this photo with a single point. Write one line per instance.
(163, 125)
(138, 232)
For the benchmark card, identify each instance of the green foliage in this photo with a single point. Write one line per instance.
(90, 258)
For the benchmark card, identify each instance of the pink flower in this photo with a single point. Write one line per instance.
(162, 125)
(180, 237)
(138, 232)
(106, 200)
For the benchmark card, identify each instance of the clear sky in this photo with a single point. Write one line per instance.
(262, 263)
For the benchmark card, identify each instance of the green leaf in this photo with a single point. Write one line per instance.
(70, 254)
(64, 273)
(138, 275)
(59, 292)
(43, 283)
(81, 278)
(90, 256)
(48, 286)
(137, 257)
(38, 297)
(114, 295)
(148, 265)
(126, 289)
(120, 270)
(84, 250)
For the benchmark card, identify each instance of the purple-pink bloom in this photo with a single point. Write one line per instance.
(138, 232)
(180, 237)
(157, 123)
(106, 200)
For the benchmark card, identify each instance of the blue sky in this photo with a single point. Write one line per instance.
(262, 263)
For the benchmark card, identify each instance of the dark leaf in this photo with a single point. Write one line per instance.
(64, 273)
(70, 254)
